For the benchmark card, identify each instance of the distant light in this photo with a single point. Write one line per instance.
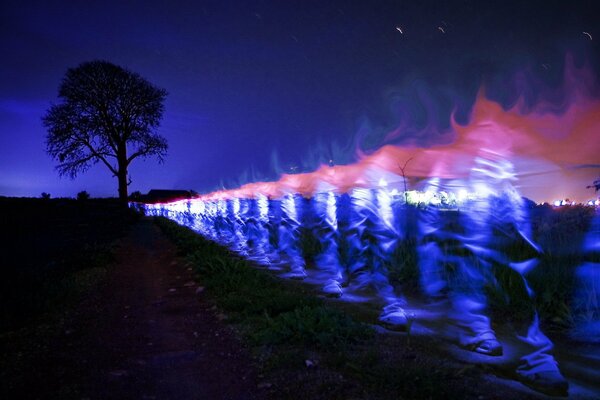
(558, 203)
(382, 182)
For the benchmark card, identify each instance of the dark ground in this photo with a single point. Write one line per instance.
(149, 337)
(143, 333)
(142, 328)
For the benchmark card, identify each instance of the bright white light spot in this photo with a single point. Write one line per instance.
(482, 190)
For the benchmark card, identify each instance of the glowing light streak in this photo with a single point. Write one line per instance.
(361, 206)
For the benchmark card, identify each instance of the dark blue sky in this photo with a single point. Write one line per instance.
(251, 79)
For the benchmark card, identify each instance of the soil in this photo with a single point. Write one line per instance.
(146, 333)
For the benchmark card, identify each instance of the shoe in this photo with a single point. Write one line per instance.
(297, 274)
(333, 289)
(550, 382)
(489, 347)
(394, 317)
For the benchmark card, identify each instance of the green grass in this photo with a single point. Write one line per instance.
(268, 310)
(559, 232)
(286, 325)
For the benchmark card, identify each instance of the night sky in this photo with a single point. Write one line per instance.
(257, 88)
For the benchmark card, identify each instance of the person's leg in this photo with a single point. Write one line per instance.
(289, 240)
(357, 237)
(387, 238)
(537, 368)
(325, 229)
(451, 270)
(586, 301)
(274, 221)
(237, 220)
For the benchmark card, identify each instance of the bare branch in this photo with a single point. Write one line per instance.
(403, 171)
(104, 110)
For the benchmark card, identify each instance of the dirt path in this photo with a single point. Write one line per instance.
(148, 334)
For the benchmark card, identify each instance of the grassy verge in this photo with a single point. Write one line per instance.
(307, 347)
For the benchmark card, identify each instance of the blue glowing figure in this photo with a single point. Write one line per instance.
(288, 236)
(274, 221)
(371, 237)
(587, 292)
(462, 242)
(223, 227)
(449, 269)
(207, 220)
(324, 227)
(255, 218)
(459, 252)
(236, 208)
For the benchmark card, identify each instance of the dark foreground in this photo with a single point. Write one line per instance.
(142, 333)
(142, 327)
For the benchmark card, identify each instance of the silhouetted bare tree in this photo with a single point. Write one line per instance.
(403, 172)
(108, 114)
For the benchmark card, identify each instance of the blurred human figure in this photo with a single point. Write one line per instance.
(289, 236)
(459, 251)
(587, 286)
(256, 230)
(324, 227)
(371, 237)
(237, 208)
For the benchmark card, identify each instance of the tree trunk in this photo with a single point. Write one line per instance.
(122, 175)
(123, 185)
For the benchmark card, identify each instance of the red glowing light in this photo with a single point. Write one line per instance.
(552, 151)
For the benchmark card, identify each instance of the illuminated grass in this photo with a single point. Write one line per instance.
(312, 348)
(269, 311)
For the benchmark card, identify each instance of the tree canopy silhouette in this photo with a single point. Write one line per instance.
(108, 114)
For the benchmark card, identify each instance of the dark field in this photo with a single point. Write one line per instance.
(294, 344)
(51, 250)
